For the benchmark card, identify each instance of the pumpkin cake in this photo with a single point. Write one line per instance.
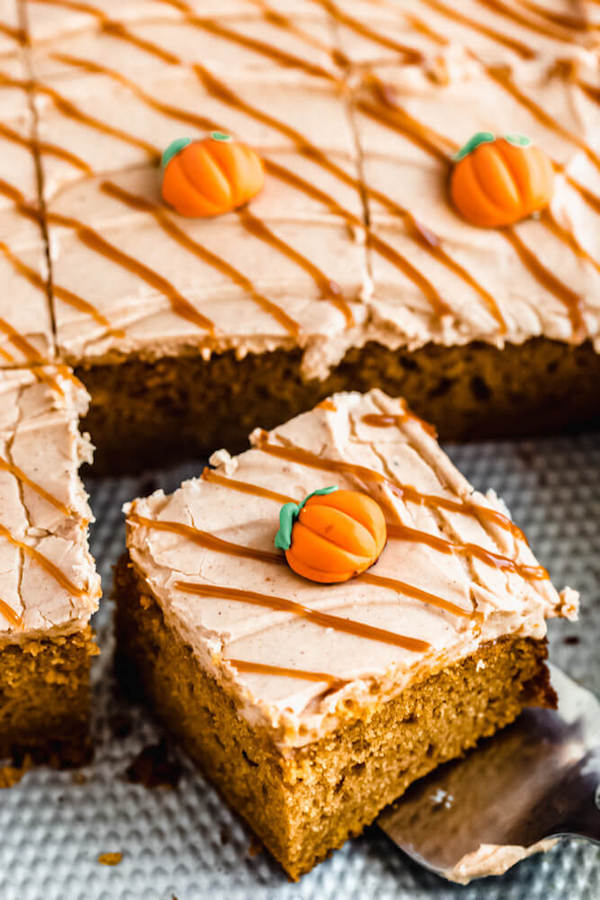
(48, 584)
(351, 268)
(311, 705)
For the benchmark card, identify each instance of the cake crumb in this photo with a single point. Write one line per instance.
(11, 775)
(153, 768)
(255, 847)
(223, 458)
(110, 859)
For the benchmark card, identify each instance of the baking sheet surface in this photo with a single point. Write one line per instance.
(184, 843)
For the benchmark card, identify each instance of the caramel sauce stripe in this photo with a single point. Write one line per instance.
(24, 479)
(256, 668)
(53, 570)
(167, 224)
(10, 615)
(219, 545)
(325, 620)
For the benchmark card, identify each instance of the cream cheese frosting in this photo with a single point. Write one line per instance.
(356, 109)
(48, 582)
(454, 574)
(25, 318)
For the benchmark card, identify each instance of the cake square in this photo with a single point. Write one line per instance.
(409, 126)
(48, 584)
(137, 287)
(311, 706)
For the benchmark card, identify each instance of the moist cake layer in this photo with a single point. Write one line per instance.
(305, 805)
(145, 412)
(301, 658)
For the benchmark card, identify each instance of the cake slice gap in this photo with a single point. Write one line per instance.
(312, 706)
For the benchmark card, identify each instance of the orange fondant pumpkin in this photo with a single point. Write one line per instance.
(211, 176)
(332, 535)
(500, 180)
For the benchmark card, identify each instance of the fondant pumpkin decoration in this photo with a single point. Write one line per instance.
(500, 180)
(210, 176)
(331, 535)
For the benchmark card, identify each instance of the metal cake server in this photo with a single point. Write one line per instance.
(516, 794)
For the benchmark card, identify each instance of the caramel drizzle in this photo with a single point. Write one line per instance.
(592, 92)
(568, 237)
(283, 57)
(330, 289)
(217, 262)
(20, 475)
(256, 668)
(224, 93)
(497, 6)
(97, 243)
(67, 296)
(571, 300)
(416, 593)
(274, 17)
(326, 620)
(14, 32)
(311, 152)
(397, 531)
(10, 615)
(439, 306)
(219, 545)
(496, 560)
(382, 420)
(417, 232)
(512, 43)
(411, 54)
(45, 147)
(245, 487)
(327, 405)
(573, 22)
(406, 492)
(69, 109)
(45, 563)
(501, 75)
(207, 540)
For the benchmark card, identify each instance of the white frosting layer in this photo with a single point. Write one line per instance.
(496, 601)
(48, 583)
(302, 89)
(24, 306)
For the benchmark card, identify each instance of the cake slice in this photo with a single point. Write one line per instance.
(48, 583)
(311, 706)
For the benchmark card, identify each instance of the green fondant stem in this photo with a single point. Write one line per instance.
(173, 149)
(288, 514)
(482, 137)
